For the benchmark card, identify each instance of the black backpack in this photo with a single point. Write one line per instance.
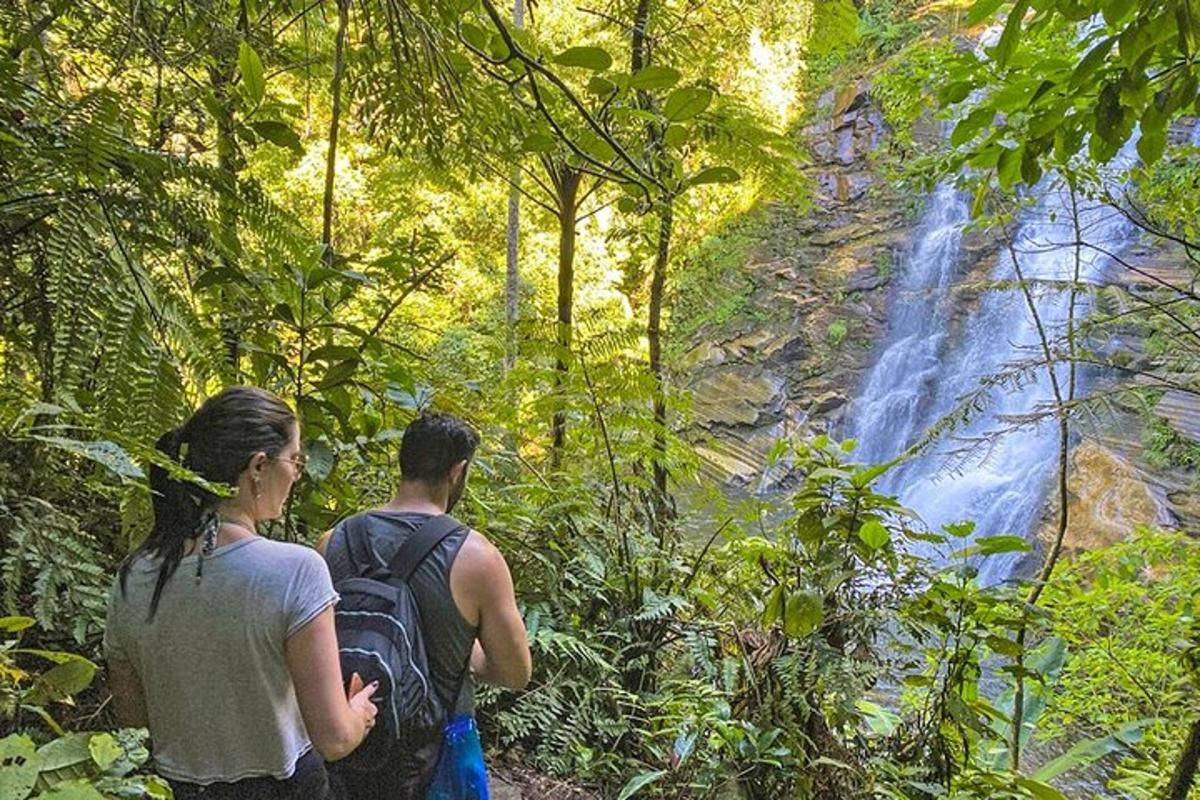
(381, 637)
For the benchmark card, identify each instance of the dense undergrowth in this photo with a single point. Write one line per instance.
(157, 220)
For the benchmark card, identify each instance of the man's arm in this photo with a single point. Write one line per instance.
(323, 542)
(501, 655)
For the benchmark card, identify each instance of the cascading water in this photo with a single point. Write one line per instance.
(989, 471)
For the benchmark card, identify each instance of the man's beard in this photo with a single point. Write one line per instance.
(456, 492)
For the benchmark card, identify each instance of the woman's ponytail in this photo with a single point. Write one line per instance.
(216, 444)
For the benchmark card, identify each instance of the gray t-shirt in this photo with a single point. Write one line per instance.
(220, 700)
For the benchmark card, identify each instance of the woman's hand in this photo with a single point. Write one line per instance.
(360, 701)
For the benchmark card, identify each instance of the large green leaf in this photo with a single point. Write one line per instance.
(983, 9)
(66, 758)
(1011, 37)
(639, 782)
(1091, 750)
(654, 77)
(714, 175)
(61, 681)
(683, 104)
(251, 67)
(19, 766)
(873, 534)
(1041, 791)
(594, 58)
(278, 133)
(72, 790)
(15, 624)
(108, 454)
(804, 612)
(1091, 62)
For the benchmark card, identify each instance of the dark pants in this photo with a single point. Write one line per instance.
(310, 781)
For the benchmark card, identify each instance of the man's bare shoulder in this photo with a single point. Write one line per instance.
(479, 556)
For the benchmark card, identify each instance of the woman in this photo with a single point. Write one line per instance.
(222, 642)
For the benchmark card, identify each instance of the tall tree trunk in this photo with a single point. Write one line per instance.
(639, 58)
(568, 206)
(512, 284)
(640, 43)
(1185, 770)
(658, 281)
(228, 164)
(335, 118)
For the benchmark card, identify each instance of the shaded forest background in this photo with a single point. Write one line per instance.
(528, 216)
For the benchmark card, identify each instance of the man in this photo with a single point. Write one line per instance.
(463, 589)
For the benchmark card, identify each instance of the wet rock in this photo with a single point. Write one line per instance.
(1108, 499)
(827, 402)
(703, 354)
(866, 279)
(738, 395)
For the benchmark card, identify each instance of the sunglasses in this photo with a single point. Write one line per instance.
(299, 460)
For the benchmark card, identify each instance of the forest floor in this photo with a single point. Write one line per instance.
(517, 783)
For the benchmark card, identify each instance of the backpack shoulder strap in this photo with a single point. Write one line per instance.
(420, 544)
(364, 561)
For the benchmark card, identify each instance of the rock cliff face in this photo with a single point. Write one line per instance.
(821, 288)
(819, 305)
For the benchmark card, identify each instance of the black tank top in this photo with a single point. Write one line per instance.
(448, 637)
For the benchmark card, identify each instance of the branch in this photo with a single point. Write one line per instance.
(415, 284)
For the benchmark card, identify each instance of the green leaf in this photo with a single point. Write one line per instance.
(675, 136)
(594, 58)
(538, 143)
(320, 460)
(995, 545)
(774, 607)
(836, 25)
(595, 146)
(1003, 51)
(684, 104)
(105, 750)
(981, 193)
(21, 765)
(873, 534)
(474, 35)
(1092, 750)
(65, 758)
(108, 454)
(654, 77)
(1090, 63)
(1008, 168)
(983, 9)
(61, 681)
(15, 624)
(217, 276)
(804, 612)
(601, 87)
(970, 126)
(955, 92)
(639, 782)
(1115, 11)
(339, 373)
(278, 133)
(714, 175)
(862, 478)
(1151, 145)
(1039, 790)
(72, 790)
(251, 67)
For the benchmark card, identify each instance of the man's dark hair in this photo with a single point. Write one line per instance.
(432, 444)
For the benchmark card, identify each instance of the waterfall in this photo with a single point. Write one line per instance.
(989, 470)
